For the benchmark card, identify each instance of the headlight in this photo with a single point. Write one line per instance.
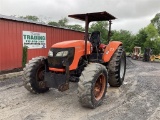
(50, 53)
(62, 54)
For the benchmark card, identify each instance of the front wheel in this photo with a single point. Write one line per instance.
(34, 75)
(92, 85)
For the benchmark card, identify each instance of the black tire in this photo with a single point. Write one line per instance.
(34, 75)
(117, 68)
(93, 78)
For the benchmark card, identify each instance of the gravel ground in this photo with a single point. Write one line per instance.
(137, 99)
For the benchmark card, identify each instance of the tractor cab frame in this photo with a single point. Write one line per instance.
(91, 17)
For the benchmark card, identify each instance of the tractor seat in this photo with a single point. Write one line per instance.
(95, 39)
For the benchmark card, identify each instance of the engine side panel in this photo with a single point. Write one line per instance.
(110, 50)
(79, 52)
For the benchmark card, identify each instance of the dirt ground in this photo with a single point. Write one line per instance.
(137, 99)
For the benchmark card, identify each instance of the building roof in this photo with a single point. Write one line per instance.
(97, 16)
(13, 18)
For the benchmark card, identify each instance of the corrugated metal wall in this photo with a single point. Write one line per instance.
(11, 41)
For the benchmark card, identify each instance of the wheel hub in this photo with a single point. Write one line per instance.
(42, 84)
(99, 87)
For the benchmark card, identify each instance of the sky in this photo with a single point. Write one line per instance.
(131, 15)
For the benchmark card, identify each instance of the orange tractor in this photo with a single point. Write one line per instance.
(92, 64)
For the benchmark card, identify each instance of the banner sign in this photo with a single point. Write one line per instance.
(34, 39)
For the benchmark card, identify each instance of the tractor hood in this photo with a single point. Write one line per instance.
(75, 48)
(71, 43)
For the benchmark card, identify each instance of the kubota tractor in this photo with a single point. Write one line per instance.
(88, 62)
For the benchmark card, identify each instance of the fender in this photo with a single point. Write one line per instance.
(110, 50)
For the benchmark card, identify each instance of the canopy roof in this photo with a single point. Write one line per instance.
(97, 16)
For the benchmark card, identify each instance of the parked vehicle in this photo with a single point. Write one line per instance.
(136, 53)
(89, 62)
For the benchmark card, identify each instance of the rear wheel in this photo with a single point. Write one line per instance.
(92, 85)
(34, 75)
(117, 68)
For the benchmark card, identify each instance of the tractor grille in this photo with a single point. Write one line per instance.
(56, 61)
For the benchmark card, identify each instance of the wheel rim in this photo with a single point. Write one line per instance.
(122, 67)
(99, 87)
(40, 77)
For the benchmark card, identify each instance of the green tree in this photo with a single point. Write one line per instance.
(125, 37)
(153, 39)
(156, 22)
(140, 39)
(102, 27)
(53, 23)
(75, 27)
(63, 22)
(30, 17)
